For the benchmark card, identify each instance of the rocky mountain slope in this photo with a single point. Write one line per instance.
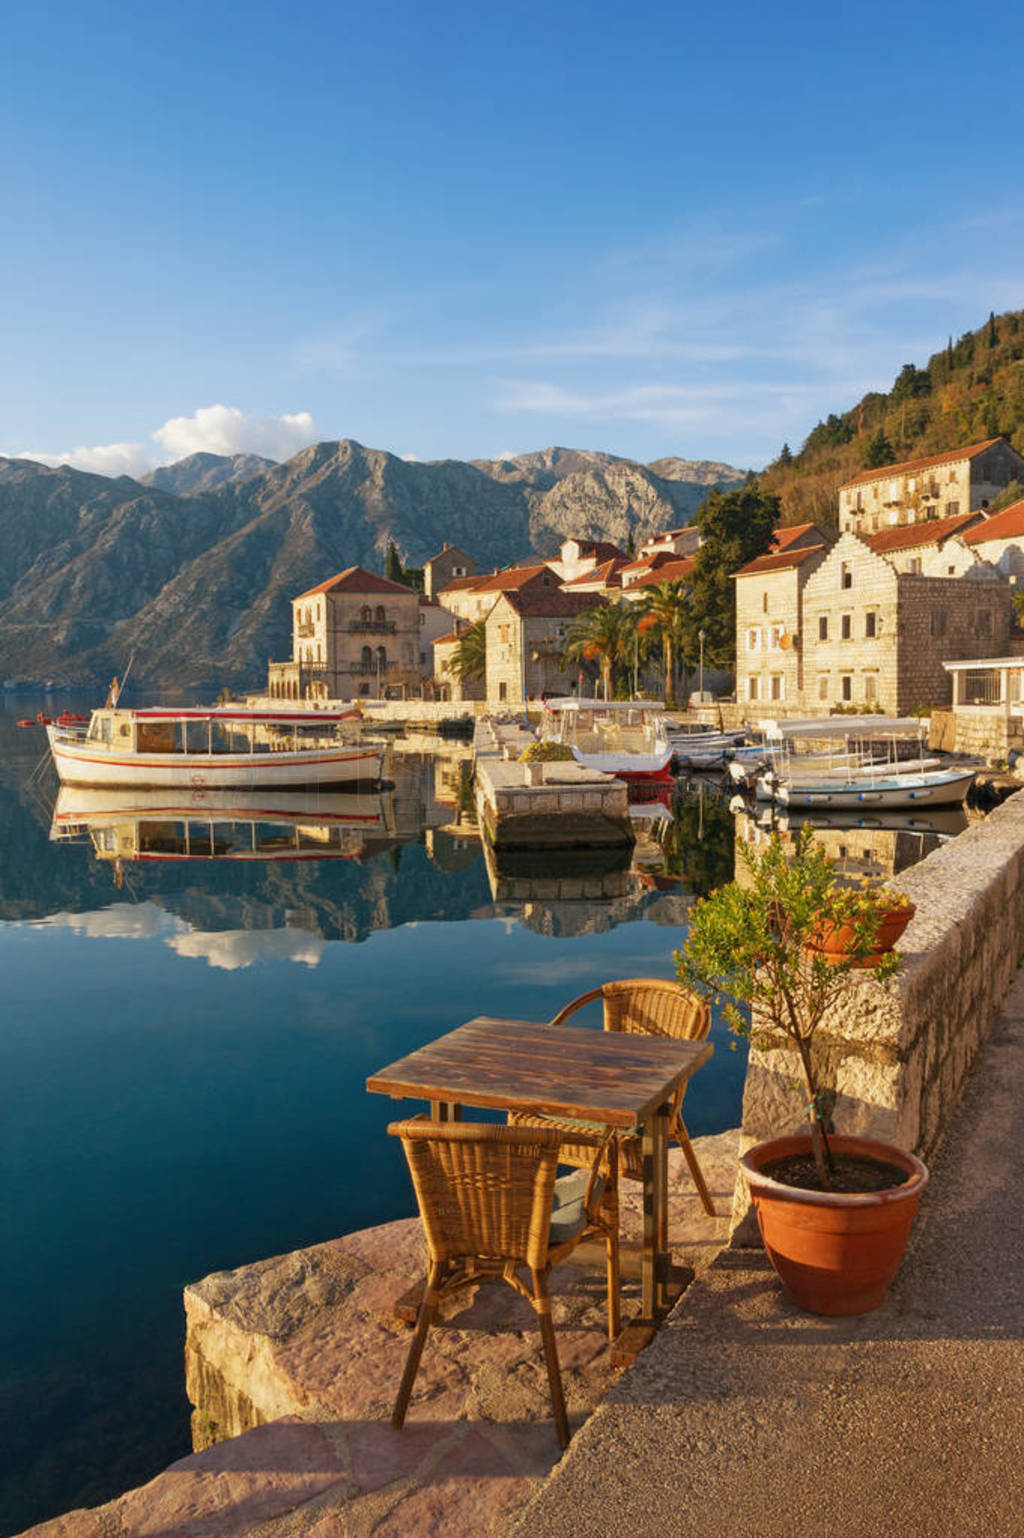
(198, 585)
(205, 472)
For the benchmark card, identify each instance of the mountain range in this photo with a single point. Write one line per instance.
(191, 569)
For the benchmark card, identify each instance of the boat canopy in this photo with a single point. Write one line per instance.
(245, 714)
(573, 702)
(842, 726)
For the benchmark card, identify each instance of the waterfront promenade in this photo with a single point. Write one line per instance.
(743, 1419)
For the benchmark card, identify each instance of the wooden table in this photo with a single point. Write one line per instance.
(611, 1077)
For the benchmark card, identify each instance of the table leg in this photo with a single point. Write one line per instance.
(654, 1149)
(445, 1110)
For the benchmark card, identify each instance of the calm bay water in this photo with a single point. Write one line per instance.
(183, 1049)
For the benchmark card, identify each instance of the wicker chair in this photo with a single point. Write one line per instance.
(644, 1006)
(491, 1202)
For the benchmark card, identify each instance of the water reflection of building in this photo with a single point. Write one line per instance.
(876, 846)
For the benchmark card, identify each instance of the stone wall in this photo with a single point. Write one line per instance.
(951, 620)
(896, 1056)
(768, 608)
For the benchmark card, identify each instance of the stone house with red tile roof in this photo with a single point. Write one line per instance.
(770, 620)
(448, 565)
(935, 548)
(960, 480)
(472, 598)
(356, 634)
(999, 539)
(526, 634)
(578, 556)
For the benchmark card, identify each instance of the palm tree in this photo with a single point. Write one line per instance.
(470, 661)
(663, 611)
(604, 635)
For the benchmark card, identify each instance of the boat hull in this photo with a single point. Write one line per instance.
(343, 764)
(948, 789)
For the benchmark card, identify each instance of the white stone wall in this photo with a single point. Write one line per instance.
(768, 608)
(896, 1056)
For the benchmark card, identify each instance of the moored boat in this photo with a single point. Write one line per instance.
(625, 738)
(218, 747)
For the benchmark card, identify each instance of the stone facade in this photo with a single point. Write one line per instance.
(937, 486)
(526, 636)
(876, 638)
(473, 598)
(357, 634)
(770, 626)
(1000, 541)
(447, 683)
(449, 564)
(895, 1056)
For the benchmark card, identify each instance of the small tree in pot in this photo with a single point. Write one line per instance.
(784, 944)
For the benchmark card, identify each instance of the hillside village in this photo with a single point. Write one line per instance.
(921, 574)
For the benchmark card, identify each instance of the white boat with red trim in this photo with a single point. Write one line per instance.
(215, 748)
(625, 738)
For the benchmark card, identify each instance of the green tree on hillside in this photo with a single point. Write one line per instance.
(735, 527)
(878, 451)
(393, 565)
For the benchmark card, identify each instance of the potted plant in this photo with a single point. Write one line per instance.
(834, 1211)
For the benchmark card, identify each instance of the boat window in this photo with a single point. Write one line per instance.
(229, 737)
(155, 736)
(197, 736)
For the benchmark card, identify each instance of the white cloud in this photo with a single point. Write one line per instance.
(210, 430)
(226, 430)
(105, 459)
(234, 949)
(122, 921)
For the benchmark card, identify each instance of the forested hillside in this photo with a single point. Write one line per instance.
(970, 390)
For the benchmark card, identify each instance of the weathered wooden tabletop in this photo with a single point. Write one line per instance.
(606, 1076)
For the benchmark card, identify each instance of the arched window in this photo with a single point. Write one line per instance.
(365, 615)
(380, 616)
(382, 656)
(367, 656)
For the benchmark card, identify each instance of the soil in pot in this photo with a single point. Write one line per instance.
(853, 1172)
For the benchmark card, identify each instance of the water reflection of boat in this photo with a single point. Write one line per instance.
(946, 821)
(141, 825)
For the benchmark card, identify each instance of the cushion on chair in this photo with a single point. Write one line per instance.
(568, 1214)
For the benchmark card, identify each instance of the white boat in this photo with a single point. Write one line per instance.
(220, 747)
(859, 779)
(625, 738)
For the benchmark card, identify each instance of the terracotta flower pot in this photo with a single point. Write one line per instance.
(836, 941)
(834, 1253)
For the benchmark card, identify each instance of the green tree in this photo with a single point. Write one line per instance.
(785, 456)
(663, 618)
(735, 526)
(393, 565)
(470, 661)
(606, 636)
(878, 451)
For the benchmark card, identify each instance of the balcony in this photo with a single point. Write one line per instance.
(372, 626)
(369, 669)
(304, 631)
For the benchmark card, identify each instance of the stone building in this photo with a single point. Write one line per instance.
(355, 634)
(935, 548)
(473, 598)
(640, 580)
(578, 556)
(526, 634)
(674, 542)
(876, 637)
(449, 564)
(770, 618)
(999, 540)
(937, 486)
(448, 685)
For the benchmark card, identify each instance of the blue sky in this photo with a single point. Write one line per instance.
(474, 229)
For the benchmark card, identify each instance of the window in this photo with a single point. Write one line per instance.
(764, 603)
(914, 566)
(845, 575)
(822, 627)
(503, 634)
(778, 684)
(950, 571)
(503, 690)
(870, 686)
(870, 625)
(753, 639)
(823, 686)
(458, 571)
(860, 500)
(775, 636)
(753, 687)
(938, 622)
(846, 626)
(952, 508)
(380, 617)
(365, 614)
(894, 491)
(367, 657)
(846, 686)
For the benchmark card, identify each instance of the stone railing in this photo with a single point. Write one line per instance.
(895, 1056)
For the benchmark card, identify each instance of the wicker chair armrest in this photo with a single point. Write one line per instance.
(570, 1009)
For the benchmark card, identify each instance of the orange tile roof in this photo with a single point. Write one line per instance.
(1008, 523)
(603, 549)
(500, 581)
(557, 605)
(355, 579)
(911, 536)
(905, 466)
(453, 635)
(650, 562)
(785, 537)
(676, 570)
(778, 560)
(608, 574)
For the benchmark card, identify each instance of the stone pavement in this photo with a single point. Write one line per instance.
(304, 1350)
(748, 1419)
